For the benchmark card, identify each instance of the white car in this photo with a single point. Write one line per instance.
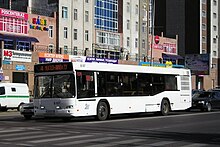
(27, 110)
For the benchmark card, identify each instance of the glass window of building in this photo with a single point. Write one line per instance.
(214, 15)
(65, 32)
(75, 14)
(50, 31)
(136, 9)
(23, 46)
(203, 13)
(128, 24)
(87, 1)
(214, 40)
(128, 7)
(86, 35)
(143, 43)
(136, 42)
(215, 2)
(136, 26)
(8, 44)
(214, 53)
(214, 28)
(203, 26)
(64, 12)
(50, 48)
(86, 16)
(65, 49)
(75, 50)
(106, 15)
(75, 34)
(128, 41)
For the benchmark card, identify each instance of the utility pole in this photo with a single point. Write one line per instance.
(152, 32)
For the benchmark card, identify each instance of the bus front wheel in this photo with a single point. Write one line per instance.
(165, 107)
(102, 111)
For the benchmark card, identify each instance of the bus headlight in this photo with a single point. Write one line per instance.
(42, 107)
(58, 107)
(201, 102)
(69, 107)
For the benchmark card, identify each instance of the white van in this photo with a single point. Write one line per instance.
(13, 95)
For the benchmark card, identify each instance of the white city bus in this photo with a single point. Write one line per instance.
(96, 89)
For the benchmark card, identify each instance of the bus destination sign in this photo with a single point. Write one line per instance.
(53, 67)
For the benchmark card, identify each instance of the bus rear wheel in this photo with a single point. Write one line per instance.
(165, 107)
(102, 111)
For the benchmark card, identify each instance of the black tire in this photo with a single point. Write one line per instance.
(102, 111)
(27, 117)
(165, 107)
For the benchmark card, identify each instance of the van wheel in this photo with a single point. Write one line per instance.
(165, 107)
(102, 111)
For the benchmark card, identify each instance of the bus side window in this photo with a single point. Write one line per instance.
(2, 90)
(85, 84)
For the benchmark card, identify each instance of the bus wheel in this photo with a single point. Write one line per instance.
(102, 111)
(165, 107)
(19, 106)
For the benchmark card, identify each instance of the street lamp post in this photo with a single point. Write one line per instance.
(152, 31)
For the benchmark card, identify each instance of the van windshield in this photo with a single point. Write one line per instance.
(54, 86)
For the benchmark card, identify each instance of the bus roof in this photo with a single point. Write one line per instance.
(70, 66)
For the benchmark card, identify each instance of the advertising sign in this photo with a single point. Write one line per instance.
(13, 21)
(49, 57)
(198, 63)
(73, 58)
(18, 56)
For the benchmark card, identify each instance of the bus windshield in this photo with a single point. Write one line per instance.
(55, 86)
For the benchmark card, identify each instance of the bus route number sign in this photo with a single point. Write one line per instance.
(52, 67)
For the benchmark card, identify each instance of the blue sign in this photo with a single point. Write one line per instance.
(20, 67)
(1, 77)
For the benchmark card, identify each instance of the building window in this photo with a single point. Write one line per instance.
(128, 7)
(143, 43)
(75, 34)
(75, 14)
(136, 42)
(214, 53)
(50, 48)
(203, 39)
(204, 1)
(8, 44)
(215, 28)
(128, 24)
(214, 15)
(64, 12)
(136, 26)
(214, 40)
(50, 31)
(75, 50)
(215, 2)
(136, 9)
(65, 32)
(86, 35)
(203, 26)
(65, 49)
(203, 13)
(87, 1)
(23, 46)
(128, 41)
(86, 16)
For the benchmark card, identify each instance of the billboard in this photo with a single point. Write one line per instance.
(198, 63)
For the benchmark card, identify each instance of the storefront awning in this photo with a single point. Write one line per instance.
(18, 37)
(171, 56)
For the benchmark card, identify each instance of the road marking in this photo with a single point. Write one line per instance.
(195, 145)
(86, 141)
(34, 136)
(147, 118)
(60, 138)
(161, 143)
(19, 134)
(124, 142)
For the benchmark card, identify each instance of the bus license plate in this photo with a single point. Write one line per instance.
(50, 112)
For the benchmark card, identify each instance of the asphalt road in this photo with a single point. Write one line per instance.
(180, 129)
